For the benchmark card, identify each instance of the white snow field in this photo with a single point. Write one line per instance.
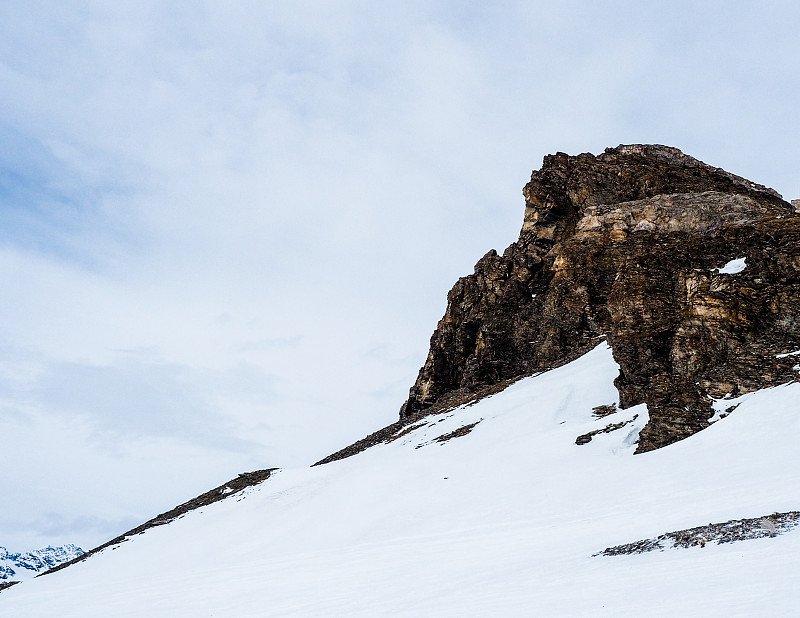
(500, 522)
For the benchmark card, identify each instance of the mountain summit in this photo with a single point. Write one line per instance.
(692, 275)
(649, 296)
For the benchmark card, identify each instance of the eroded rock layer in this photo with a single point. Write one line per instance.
(631, 245)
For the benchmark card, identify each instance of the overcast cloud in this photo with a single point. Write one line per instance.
(228, 229)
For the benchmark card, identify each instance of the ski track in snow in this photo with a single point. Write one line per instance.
(502, 521)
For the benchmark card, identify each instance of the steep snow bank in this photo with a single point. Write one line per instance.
(502, 520)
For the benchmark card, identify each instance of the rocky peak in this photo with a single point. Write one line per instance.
(631, 245)
(561, 192)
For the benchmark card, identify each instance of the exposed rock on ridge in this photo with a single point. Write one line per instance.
(628, 245)
(228, 490)
(727, 532)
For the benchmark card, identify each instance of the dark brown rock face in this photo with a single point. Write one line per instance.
(629, 246)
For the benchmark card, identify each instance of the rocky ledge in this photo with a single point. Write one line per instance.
(691, 274)
(730, 531)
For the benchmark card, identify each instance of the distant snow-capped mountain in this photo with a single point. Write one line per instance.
(19, 566)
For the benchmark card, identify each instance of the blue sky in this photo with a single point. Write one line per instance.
(227, 230)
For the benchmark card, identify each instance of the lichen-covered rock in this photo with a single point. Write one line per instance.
(632, 245)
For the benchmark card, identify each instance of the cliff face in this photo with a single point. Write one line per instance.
(632, 245)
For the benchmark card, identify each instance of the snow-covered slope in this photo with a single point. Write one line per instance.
(502, 521)
(16, 566)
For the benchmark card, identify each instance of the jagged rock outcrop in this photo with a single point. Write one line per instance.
(731, 531)
(631, 245)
